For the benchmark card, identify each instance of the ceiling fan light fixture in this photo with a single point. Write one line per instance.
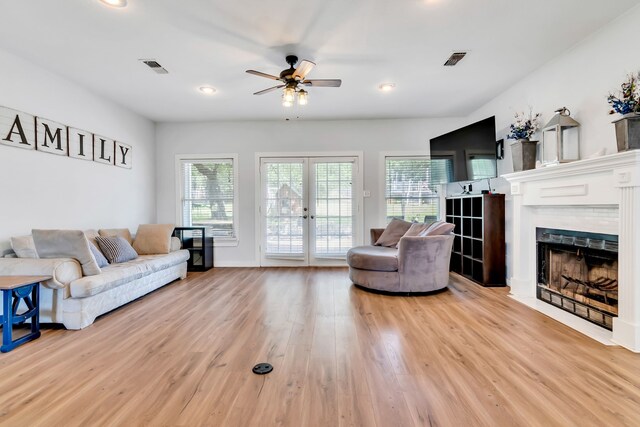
(286, 103)
(289, 94)
(115, 3)
(303, 97)
(387, 87)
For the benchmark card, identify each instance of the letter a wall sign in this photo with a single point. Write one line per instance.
(22, 130)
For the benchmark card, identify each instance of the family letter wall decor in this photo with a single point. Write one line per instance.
(18, 129)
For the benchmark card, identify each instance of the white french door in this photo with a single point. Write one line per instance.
(308, 210)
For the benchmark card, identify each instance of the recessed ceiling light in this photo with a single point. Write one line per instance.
(208, 90)
(387, 87)
(115, 3)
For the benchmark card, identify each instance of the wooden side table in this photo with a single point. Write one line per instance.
(14, 290)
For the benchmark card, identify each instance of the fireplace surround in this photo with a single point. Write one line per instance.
(600, 195)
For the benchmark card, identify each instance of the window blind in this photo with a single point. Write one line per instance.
(208, 195)
(411, 187)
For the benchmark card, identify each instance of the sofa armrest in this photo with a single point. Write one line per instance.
(425, 255)
(62, 270)
(375, 234)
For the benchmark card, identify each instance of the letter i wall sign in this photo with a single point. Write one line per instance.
(18, 129)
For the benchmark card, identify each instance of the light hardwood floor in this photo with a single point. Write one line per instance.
(342, 356)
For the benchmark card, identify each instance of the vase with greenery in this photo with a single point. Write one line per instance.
(627, 103)
(523, 150)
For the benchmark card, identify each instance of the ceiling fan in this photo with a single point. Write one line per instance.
(292, 78)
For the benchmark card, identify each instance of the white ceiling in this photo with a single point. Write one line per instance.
(363, 42)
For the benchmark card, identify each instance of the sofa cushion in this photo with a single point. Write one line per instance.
(153, 239)
(176, 244)
(120, 274)
(116, 249)
(113, 232)
(415, 230)
(375, 258)
(24, 247)
(91, 237)
(392, 234)
(66, 244)
(100, 259)
(438, 228)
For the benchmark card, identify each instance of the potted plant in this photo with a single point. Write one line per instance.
(523, 150)
(627, 103)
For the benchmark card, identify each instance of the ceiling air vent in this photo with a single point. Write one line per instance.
(454, 58)
(155, 66)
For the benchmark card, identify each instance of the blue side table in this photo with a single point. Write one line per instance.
(16, 289)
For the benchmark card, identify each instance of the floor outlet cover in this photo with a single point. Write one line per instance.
(262, 368)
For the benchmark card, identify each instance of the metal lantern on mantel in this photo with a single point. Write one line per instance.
(560, 139)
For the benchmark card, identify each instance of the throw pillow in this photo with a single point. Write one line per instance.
(24, 247)
(176, 244)
(153, 239)
(392, 234)
(91, 237)
(100, 259)
(439, 228)
(116, 249)
(112, 232)
(415, 230)
(66, 244)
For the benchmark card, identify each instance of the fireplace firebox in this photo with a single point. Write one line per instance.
(578, 272)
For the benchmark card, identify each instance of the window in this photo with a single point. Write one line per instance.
(208, 195)
(411, 187)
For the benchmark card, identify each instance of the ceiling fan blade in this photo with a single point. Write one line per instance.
(271, 89)
(303, 69)
(261, 74)
(323, 83)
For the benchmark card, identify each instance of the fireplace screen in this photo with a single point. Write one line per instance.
(578, 272)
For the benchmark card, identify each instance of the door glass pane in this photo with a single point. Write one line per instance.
(284, 203)
(334, 213)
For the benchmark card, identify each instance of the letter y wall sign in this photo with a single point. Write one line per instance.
(22, 130)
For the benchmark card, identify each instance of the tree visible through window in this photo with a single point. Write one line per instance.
(411, 187)
(208, 195)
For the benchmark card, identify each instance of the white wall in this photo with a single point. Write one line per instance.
(247, 138)
(579, 79)
(39, 190)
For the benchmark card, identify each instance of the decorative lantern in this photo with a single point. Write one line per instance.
(560, 139)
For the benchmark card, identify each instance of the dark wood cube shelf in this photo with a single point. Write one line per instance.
(199, 245)
(479, 245)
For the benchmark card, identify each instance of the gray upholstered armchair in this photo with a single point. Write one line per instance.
(419, 264)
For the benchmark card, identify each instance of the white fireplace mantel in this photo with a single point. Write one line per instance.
(581, 188)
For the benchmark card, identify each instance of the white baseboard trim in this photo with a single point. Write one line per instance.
(228, 264)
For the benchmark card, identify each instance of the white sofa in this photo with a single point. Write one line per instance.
(76, 301)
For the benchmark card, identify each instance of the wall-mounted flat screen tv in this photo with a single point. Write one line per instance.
(468, 153)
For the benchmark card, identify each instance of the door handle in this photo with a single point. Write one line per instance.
(304, 216)
(312, 217)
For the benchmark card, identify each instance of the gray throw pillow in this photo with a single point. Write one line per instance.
(116, 249)
(24, 247)
(439, 228)
(66, 244)
(415, 230)
(392, 234)
(100, 259)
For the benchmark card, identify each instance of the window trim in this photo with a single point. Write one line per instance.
(382, 185)
(179, 158)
